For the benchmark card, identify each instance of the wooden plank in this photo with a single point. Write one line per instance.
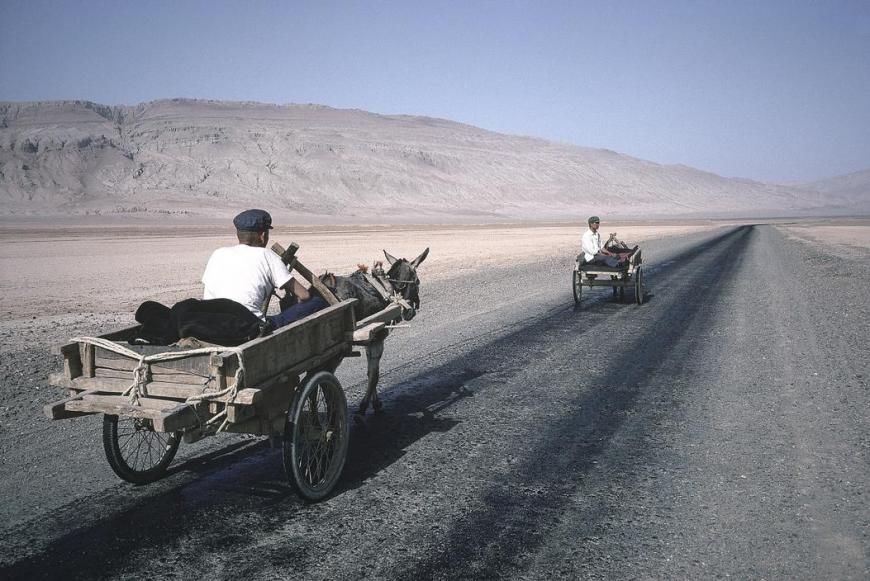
(607, 283)
(604, 272)
(272, 400)
(270, 413)
(59, 380)
(198, 364)
(182, 417)
(293, 262)
(363, 335)
(57, 410)
(259, 426)
(217, 370)
(112, 385)
(177, 378)
(87, 358)
(116, 405)
(72, 361)
(249, 396)
(266, 357)
(239, 413)
(390, 314)
(166, 415)
(143, 402)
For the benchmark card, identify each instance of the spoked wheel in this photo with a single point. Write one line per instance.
(638, 286)
(578, 287)
(316, 436)
(135, 451)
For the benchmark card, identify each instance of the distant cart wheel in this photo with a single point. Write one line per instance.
(135, 451)
(316, 436)
(578, 286)
(638, 286)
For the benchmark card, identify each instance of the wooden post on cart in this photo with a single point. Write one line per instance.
(292, 262)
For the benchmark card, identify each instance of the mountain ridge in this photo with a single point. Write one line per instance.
(207, 157)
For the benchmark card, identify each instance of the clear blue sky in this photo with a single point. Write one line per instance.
(770, 90)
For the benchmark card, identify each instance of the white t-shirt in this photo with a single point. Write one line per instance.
(245, 274)
(591, 244)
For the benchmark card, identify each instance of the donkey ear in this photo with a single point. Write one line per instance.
(416, 262)
(390, 258)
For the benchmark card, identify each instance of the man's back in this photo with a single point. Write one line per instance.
(245, 274)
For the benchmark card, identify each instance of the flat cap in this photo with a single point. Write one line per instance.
(594, 219)
(253, 221)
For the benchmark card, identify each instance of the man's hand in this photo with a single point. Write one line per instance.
(299, 291)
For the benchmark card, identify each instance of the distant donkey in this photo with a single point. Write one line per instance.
(374, 292)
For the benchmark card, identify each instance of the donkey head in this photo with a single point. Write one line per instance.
(403, 278)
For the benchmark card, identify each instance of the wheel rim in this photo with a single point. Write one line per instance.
(319, 437)
(135, 451)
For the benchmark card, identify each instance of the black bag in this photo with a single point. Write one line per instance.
(157, 327)
(220, 321)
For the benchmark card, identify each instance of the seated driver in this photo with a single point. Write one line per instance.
(595, 253)
(249, 273)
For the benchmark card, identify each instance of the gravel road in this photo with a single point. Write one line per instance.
(718, 430)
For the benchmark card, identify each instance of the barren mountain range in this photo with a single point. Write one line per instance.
(209, 158)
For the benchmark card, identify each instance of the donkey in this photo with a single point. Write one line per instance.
(400, 285)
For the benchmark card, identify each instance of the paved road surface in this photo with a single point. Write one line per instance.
(719, 430)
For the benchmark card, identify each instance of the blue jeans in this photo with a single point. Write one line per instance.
(296, 312)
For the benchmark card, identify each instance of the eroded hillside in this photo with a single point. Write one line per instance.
(207, 158)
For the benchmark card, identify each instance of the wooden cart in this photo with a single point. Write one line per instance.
(280, 385)
(618, 278)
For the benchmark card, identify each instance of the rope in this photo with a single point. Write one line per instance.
(140, 373)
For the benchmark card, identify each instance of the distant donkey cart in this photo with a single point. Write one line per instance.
(629, 274)
(281, 385)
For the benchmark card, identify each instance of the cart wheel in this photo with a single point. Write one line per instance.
(316, 437)
(135, 451)
(638, 286)
(578, 286)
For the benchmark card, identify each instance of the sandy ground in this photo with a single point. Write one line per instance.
(837, 236)
(50, 271)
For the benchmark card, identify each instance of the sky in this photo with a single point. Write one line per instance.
(775, 90)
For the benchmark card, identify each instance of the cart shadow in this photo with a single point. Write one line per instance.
(605, 299)
(411, 407)
(204, 488)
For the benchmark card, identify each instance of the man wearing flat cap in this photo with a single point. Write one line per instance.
(249, 273)
(596, 253)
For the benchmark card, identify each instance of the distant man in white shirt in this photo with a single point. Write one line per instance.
(594, 252)
(248, 273)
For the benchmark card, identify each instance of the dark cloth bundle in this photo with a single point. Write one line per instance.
(220, 321)
(618, 247)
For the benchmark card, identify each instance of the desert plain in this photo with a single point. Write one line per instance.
(719, 429)
(51, 271)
